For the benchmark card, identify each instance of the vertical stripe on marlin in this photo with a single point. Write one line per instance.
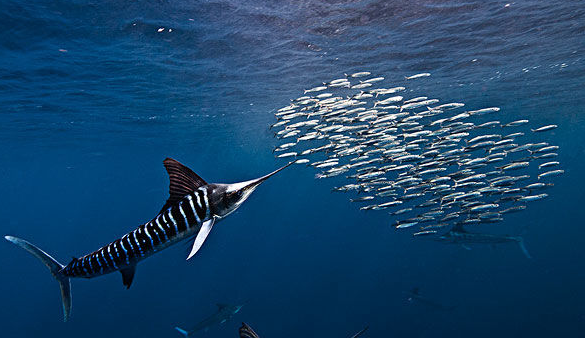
(158, 237)
(179, 218)
(96, 263)
(71, 269)
(130, 254)
(146, 244)
(122, 255)
(200, 204)
(102, 254)
(149, 230)
(187, 214)
(193, 209)
(106, 257)
(169, 215)
(84, 265)
(92, 270)
(112, 257)
(160, 227)
(116, 253)
(206, 203)
(169, 228)
(159, 232)
(135, 244)
(78, 268)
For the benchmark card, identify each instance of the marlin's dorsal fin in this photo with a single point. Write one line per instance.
(183, 181)
(128, 275)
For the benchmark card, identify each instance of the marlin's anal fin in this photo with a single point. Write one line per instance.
(128, 275)
(201, 236)
(183, 181)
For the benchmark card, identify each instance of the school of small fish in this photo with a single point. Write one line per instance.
(431, 165)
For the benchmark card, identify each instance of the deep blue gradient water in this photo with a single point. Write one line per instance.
(93, 97)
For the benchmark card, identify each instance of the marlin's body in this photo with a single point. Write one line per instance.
(224, 313)
(458, 235)
(181, 221)
(191, 211)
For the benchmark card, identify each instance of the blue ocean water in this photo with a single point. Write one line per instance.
(94, 95)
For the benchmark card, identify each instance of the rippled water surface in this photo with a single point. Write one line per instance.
(94, 95)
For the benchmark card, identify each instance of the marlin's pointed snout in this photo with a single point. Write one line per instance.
(253, 184)
(236, 193)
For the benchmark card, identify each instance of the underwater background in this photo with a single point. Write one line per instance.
(94, 95)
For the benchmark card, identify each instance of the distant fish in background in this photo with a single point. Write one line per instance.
(416, 76)
(433, 160)
(458, 235)
(191, 211)
(224, 313)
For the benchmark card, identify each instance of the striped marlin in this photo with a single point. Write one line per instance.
(192, 209)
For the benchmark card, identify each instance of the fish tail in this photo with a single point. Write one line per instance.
(183, 332)
(54, 267)
(523, 247)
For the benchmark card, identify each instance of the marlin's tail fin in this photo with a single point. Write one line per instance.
(523, 247)
(53, 266)
(183, 332)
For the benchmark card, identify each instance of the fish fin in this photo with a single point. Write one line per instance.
(55, 268)
(183, 181)
(201, 236)
(466, 247)
(361, 332)
(523, 247)
(181, 331)
(223, 321)
(247, 332)
(128, 275)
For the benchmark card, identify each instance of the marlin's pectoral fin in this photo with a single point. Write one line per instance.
(201, 236)
(128, 275)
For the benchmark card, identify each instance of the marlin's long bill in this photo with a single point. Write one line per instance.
(191, 210)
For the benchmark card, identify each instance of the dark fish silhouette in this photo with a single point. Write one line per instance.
(224, 313)
(458, 235)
